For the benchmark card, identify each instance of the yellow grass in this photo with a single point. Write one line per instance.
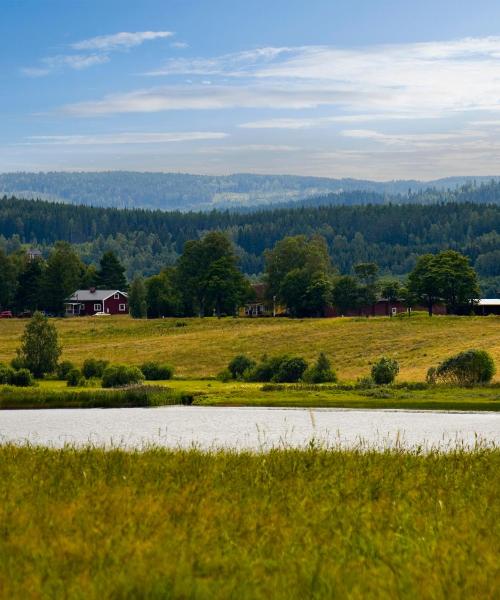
(204, 346)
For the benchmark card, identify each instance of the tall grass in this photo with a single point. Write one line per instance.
(288, 524)
(141, 395)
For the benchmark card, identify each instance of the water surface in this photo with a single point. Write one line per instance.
(248, 428)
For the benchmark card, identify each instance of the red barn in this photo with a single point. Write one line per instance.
(91, 302)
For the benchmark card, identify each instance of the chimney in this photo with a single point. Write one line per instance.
(92, 290)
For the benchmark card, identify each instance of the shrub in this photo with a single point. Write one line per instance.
(290, 369)
(384, 371)
(63, 369)
(321, 372)
(6, 374)
(18, 363)
(431, 376)
(155, 371)
(239, 365)
(22, 378)
(118, 375)
(92, 367)
(467, 368)
(74, 377)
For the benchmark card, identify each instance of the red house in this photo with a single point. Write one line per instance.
(92, 302)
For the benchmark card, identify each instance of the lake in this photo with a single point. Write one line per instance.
(248, 428)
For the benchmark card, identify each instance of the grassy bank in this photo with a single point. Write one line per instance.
(203, 347)
(62, 397)
(417, 396)
(288, 524)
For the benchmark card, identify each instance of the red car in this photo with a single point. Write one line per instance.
(6, 314)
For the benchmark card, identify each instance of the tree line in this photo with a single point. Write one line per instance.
(391, 235)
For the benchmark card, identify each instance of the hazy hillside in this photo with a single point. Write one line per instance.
(177, 191)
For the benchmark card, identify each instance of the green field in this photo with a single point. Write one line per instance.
(286, 524)
(203, 347)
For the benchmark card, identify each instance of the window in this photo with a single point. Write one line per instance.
(116, 296)
(121, 307)
(97, 307)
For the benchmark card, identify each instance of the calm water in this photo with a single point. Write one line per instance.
(248, 428)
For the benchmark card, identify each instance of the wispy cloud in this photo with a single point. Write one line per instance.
(179, 45)
(119, 41)
(98, 50)
(124, 138)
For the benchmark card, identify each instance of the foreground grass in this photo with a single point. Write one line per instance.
(203, 347)
(287, 524)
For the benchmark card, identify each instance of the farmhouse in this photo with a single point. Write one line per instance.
(92, 301)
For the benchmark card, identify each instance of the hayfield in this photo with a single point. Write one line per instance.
(286, 524)
(203, 347)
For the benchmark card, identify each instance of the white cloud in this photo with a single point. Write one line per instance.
(124, 138)
(99, 48)
(309, 123)
(122, 40)
(424, 77)
(179, 45)
(206, 97)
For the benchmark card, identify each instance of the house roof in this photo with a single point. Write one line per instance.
(98, 295)
(489, 302)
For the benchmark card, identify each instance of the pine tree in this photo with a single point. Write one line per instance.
(110, 275)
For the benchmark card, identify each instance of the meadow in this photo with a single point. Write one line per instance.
(199, 348)
(314, 523)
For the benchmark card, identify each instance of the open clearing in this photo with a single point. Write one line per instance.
(203, 347)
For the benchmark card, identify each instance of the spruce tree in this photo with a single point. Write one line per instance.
(111, 273)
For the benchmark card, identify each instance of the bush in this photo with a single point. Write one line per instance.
(18, 363)
(92, 367)
(431, 376)
(290, 370)
(467, 368)
(6, 374)
(364, 383)
(63, 369)
(119, 375)
(239, 365)
(321, 372)
(155, 371)
(22, 378)
(74, 377)
(385, 370)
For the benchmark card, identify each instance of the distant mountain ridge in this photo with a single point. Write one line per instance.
(179, 191)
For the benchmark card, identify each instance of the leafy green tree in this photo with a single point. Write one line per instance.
(321, 371)
(298, 273)
(208, 278)
(446, 277)
(346, 294)
(40, 349)
(62, 276)
(162, 295)
(137, 299)
(111, 273)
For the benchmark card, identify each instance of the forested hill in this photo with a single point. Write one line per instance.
(390, 235)
(177, 191)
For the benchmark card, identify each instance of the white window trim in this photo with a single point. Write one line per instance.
(122, 307)
(116, 296)
(98, 307)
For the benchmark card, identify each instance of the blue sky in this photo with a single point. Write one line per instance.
(379, 90)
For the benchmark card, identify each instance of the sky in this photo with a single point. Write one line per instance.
(368, 89)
